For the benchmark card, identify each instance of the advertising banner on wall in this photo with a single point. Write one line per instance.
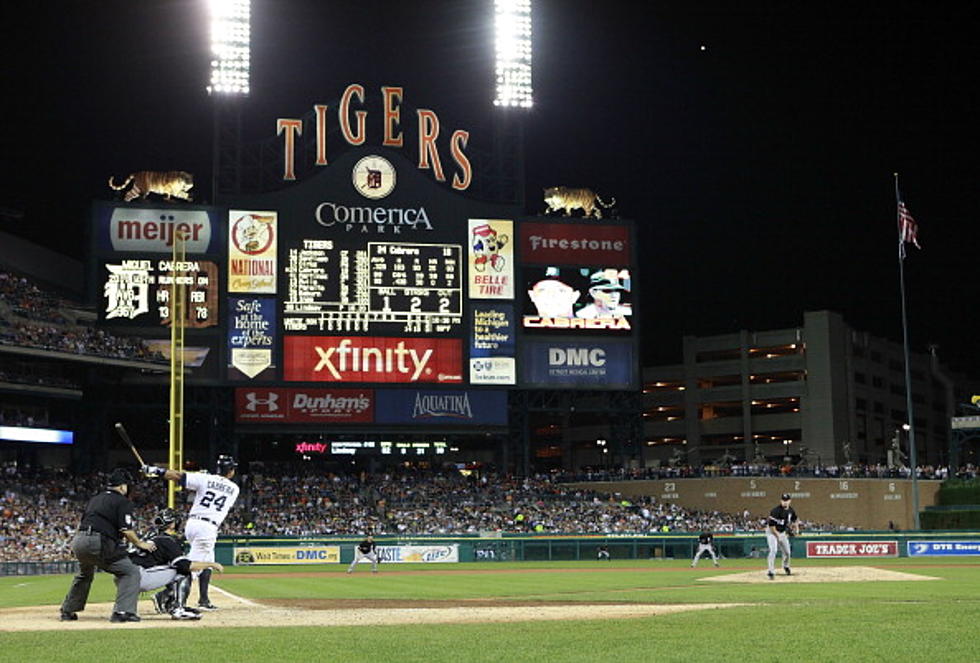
(252, 242)
(372, 359)
(568, 364)
(574, 244)
(493, 345)
(152, 230)
(852, 548)
(262, 555)
(415, 554)
(441, 408)
(252, 336)
(943, 548)
(491, 259)
(300, 405)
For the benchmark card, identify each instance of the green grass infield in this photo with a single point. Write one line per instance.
(778, 621)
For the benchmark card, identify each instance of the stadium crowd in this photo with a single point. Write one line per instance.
(766, 469)
(30, 317)
(39, 511)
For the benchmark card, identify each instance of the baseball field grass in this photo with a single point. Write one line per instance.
(786, 619)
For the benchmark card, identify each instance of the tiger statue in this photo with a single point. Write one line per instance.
(172, 183)
(562, 197)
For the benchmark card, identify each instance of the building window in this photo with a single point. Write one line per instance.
(720, 410)
(876, 357)
(877, 382)
(662, 413)
(718, 355)
(879, 408)
(662, 385)
(774, 351)
(860, 378)
(860, 404)
(719, 381)
(782, 376)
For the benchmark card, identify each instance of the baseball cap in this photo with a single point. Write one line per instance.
(118, 477)
(786, 496)
(606, 280)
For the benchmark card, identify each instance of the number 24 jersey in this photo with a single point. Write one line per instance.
(215, 495)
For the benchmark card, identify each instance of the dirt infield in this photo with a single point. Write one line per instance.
(342, 613)
(821, 574)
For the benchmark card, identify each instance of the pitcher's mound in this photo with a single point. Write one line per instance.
(821, 574)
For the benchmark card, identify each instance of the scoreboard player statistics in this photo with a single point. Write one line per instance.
(380, 287)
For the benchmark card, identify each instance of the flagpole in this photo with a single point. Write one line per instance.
(908, 365)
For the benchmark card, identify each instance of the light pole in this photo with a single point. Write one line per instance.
(230, 66)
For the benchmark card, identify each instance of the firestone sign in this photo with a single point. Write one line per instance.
(352, 119)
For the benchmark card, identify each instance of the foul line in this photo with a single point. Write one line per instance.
(240, 599)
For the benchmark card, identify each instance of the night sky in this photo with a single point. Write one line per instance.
(753, 142)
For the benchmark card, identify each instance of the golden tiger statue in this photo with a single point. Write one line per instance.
(562, 197)
(171, 183)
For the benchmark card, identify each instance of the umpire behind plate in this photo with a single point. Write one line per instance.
(98, 543)
(214, 496)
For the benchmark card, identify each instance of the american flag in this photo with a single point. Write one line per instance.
(908, 229)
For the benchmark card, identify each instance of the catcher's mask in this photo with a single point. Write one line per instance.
(166, 519)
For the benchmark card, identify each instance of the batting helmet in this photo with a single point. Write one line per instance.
(224, 464)
(166, 517)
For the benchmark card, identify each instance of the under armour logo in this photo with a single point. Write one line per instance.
(254, 401)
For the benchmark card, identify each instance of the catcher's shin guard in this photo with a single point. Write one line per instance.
(181, 590)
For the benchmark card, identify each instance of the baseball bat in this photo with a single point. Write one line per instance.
(125, 438)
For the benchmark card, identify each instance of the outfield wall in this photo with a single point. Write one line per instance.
(520, 548)
(867, 504)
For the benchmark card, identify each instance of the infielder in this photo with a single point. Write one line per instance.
(365, 550)
(706, 544)
(781, 523)
(214, 496)
(168, 567)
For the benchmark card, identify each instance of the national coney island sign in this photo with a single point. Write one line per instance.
(352, 119)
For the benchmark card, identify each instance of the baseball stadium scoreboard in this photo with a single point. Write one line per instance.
(374, 294)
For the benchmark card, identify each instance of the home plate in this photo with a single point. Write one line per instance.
(820, 574)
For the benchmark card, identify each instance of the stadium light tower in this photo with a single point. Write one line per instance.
(230, 38)
(513, 46)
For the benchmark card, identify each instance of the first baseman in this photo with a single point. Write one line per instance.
(706, 544)
(365, 550)
(782, 522)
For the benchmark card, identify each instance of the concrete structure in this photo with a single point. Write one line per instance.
(823, 393)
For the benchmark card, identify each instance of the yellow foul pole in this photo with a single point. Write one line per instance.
(178, 297)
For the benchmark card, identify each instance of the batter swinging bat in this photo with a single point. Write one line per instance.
(125, 437)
